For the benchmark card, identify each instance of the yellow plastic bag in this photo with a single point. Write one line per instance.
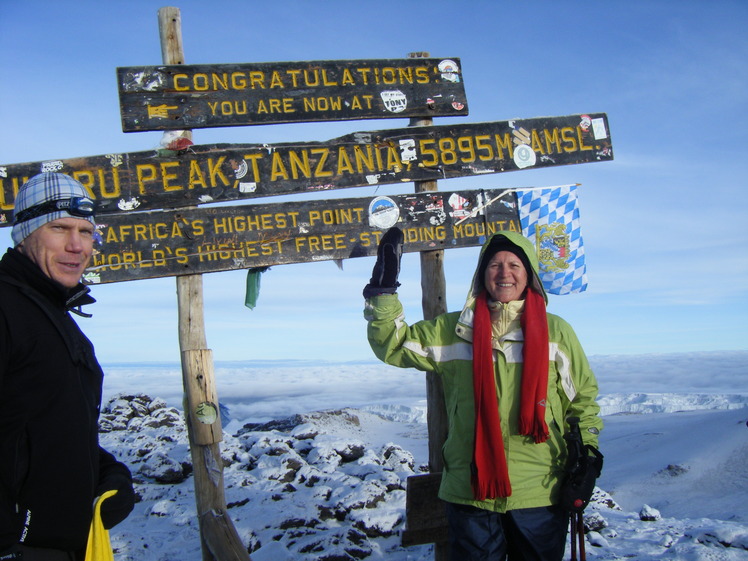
(99, 548)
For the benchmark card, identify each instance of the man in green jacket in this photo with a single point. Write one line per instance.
(512, 375)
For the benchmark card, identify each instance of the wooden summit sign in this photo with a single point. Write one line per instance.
(208, 239)
(199, 96)
(224, 172)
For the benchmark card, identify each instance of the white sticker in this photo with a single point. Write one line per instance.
(460, 206)
(241, 169)
(91, 278)
(394, 101)
(383, 213)
(408, 150)
(144, 81)
(247, 187)
(51, 166)
(115, 160)
(128, 204)
(524, 156)
(449, 71)
(598, 128)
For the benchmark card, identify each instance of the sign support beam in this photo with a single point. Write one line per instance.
(218, 537)
(433, 303)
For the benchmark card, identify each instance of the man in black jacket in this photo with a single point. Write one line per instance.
(51, 465)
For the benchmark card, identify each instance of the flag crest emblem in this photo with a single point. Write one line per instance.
(552, 246)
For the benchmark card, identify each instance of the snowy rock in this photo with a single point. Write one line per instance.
(171, 510)
(594, 522)
(131, 412)
(602, 500)
(398, 459)
(667, 540)
(305, 431)
(720, 536)
(609, 532)
(268, 444)
(379, 522)
(109, 423)
(649, 514)
(355, 492)
(163, 417)
(357, 495)
(156, 403)
(162, 469)
(673, 470)
(351, 452)
(597, 540)
(162, 508)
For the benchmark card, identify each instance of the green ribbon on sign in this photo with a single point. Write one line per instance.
(253, 286)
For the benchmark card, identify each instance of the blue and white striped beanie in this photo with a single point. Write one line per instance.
(39, 189)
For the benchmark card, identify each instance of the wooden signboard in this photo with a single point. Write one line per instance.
(208, 239)
(213, 173)
(199, 96)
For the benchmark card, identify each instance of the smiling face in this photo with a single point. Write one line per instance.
(505, 278)
(61, 249)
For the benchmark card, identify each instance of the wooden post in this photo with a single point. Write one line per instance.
(433, 303)
(218, 537)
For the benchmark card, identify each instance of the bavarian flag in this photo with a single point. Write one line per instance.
(549, 217)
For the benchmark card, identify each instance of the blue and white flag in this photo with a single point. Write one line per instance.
(550, 219)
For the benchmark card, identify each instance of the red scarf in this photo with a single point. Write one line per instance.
(490, 477)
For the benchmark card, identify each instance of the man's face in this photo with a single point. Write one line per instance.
(505, 278)
(61, 249)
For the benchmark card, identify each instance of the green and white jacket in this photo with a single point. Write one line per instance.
(444, 346)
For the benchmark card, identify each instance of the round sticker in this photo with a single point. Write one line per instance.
(524, 156)
(449, 71)
(206, 413)
(383, 213)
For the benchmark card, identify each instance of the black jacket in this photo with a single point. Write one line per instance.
(51, 464)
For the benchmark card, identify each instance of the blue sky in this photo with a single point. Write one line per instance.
(663, 224)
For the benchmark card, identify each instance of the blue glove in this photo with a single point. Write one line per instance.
(387, 268)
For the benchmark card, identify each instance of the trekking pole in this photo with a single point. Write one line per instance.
(584, 464)
(580, 535)
(573, 501)
(573, 533)
(577, 535)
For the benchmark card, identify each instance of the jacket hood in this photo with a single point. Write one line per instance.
(464, 327)
(527, 249)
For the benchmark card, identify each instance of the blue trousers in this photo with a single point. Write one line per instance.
(528, 534)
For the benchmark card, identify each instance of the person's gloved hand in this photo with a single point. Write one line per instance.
(11, 553)
(579, 484)
(116, 508)
(387, 268)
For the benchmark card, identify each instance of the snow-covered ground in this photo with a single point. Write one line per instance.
(325, 479)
